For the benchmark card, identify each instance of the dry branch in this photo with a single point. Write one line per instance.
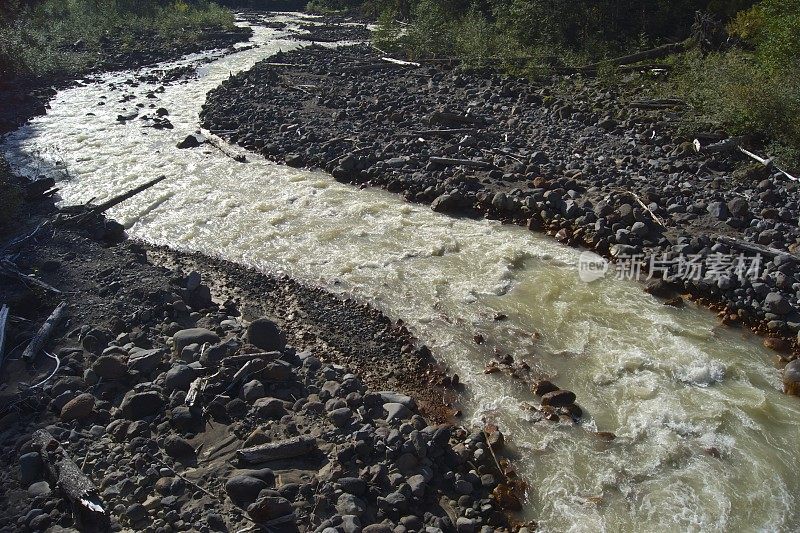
(10, 270)
(40, 339)
(87, 505)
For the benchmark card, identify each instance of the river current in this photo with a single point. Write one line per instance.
(705, 440)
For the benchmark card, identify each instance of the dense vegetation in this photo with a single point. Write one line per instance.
(63, 38)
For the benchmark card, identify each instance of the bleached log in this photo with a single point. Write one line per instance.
(274, 451)
(87, 506)
(3, 322)
(401, 62)
(40, 339)
(653, 53)
(448, 162)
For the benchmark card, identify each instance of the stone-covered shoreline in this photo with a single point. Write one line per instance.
(588, 166)
(193, 394)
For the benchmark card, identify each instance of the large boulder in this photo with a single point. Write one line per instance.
(265, 334)
(179, 377)
(791, 378)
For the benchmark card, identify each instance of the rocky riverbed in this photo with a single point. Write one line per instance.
(181, 393)
(21, 99)
(592, 167)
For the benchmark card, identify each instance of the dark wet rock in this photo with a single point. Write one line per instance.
(179, 377)
(192, 141)
(265, 334)
(138, 405)
(30, 468)
(244, 490)
(178, 447)
(559, 398)
(269, 508)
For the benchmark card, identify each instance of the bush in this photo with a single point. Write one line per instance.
(755, 92)
(61, 37)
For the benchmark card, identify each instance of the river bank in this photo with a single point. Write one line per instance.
(696, 404)
(25, 97)
(591, 168)
(167, 369)
(190, 393)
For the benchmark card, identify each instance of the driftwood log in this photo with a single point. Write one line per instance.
(40, 339)
(10, 270)
(756, 248)
(645, 55)
(470, 163)
(87, 505)
(275, 451)
(3, 322)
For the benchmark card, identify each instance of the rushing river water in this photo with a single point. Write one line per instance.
(705, 439)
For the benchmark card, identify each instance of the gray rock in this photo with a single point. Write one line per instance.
(718, 210)
(178, 447)
(252, 391)
(396, 411)
(39, 489)
(136, 406)
(145, 361)
(110, 367)
(30, 468)
(179, 377)
(269, 508)
(189, 336)
(465, 525)
(340, 417)
(349, 504)
(791, 378)
(269, 408)
(244, 490)
(776, 303)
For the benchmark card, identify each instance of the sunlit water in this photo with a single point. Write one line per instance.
(705, 439)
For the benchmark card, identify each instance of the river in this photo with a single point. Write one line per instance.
(705, 440)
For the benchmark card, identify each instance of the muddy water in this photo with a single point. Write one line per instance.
(705, 440)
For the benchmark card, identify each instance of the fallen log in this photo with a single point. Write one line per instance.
(756, 248)
(105, 206)
(40, 339)
(645, 55)
(87, 505)
(3, 322)
(470, 163)
(735, 143)
(438, 133)
(401, 62)
(274, 451)
(666, 103)
(10, 270)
